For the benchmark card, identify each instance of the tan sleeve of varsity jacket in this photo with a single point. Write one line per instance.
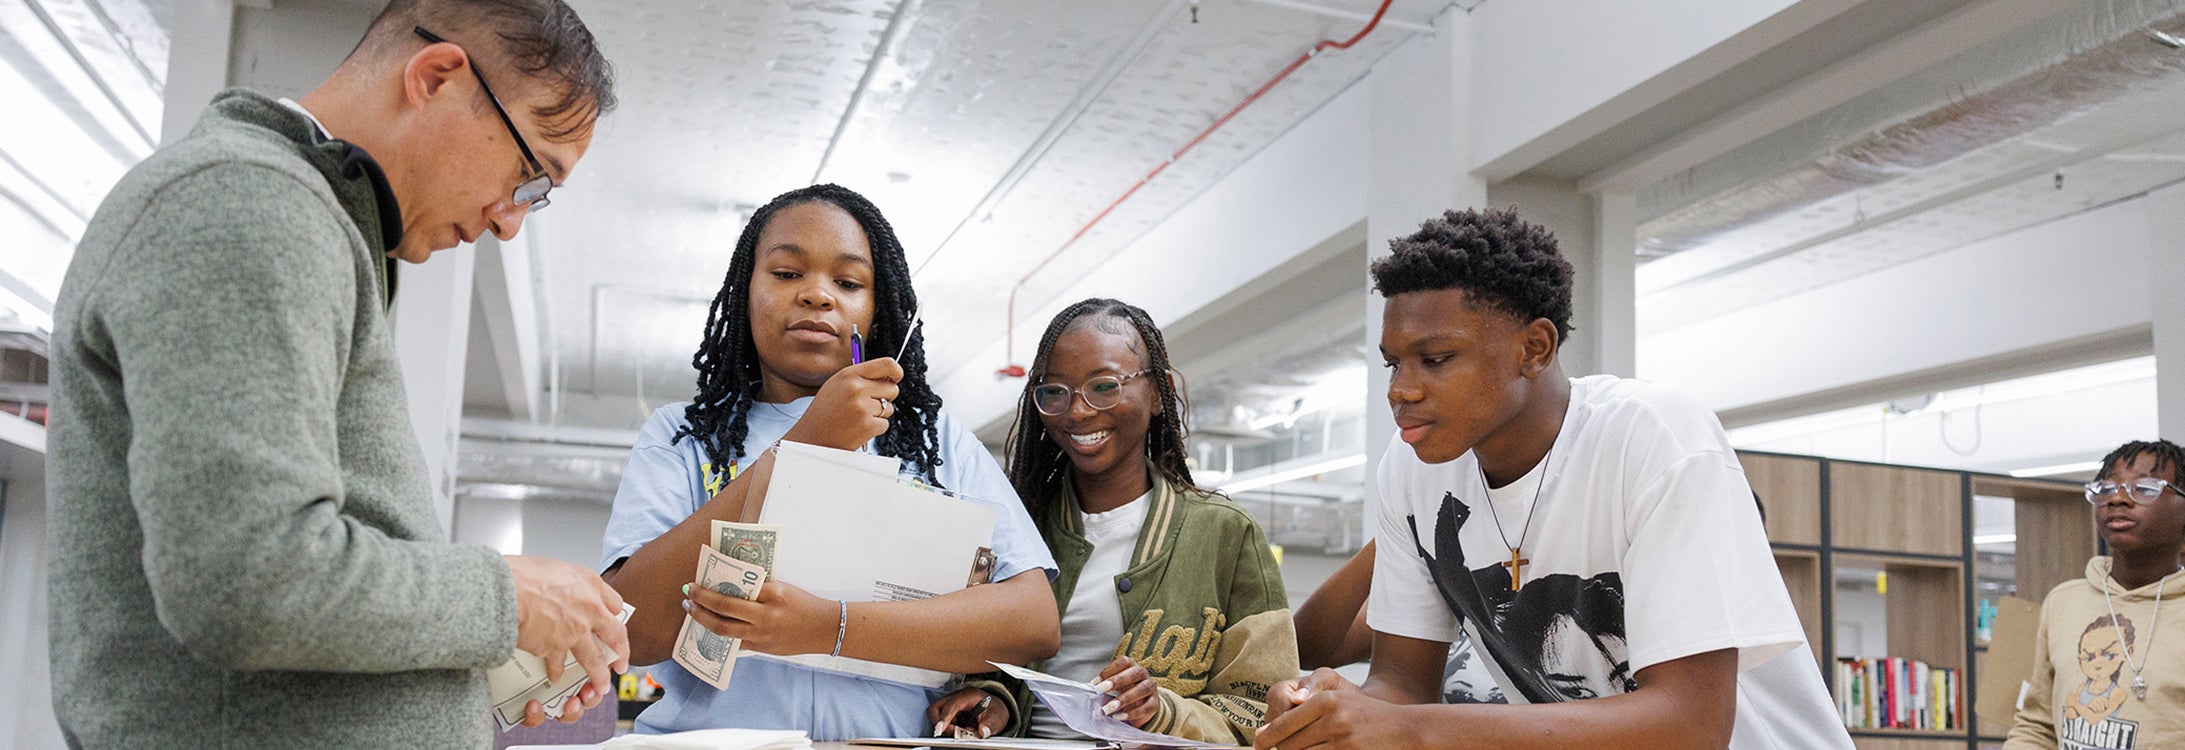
(1256, 653)
(1258, 649)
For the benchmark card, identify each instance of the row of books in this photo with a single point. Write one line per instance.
(1897, 693)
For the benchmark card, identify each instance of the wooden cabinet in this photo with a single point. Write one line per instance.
(1789, 488)
(1896, 509)
(1879, 561)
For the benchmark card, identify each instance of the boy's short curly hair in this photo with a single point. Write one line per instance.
(1501, 261)
(2169, 459)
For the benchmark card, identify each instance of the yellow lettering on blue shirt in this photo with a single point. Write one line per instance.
(714, 482)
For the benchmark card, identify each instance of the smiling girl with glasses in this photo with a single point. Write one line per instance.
(1169, 595)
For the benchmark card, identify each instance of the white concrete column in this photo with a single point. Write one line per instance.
(432, 337)
(2166, 246)
(1613, 293)
(1569, 214)
(510, 312)
(1418, 166)
(200, 48)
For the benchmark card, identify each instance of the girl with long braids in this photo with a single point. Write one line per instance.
(775, 365)
(1169, 594)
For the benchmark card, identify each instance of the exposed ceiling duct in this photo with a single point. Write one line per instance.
(2016, 84)
(522, 470)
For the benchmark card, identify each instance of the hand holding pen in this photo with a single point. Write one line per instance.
(854, 405)
(968, 713)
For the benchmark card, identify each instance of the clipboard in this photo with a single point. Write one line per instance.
(852, 530)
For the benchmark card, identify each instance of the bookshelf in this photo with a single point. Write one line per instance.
(1882, 560)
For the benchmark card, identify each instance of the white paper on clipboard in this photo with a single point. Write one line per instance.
(850, 530)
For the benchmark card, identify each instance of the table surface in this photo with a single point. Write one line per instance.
(815, 746)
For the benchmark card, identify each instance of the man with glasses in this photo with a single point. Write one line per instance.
(245, 552)
(2109, 664)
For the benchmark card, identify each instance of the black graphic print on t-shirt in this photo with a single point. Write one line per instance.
(1559, 637)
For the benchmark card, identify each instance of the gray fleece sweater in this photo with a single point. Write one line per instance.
(244, 549)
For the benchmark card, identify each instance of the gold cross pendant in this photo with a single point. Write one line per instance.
(1516, 566)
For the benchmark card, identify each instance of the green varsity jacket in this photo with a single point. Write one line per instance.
(1203, 611)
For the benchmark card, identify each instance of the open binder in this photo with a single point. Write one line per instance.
(851, 529)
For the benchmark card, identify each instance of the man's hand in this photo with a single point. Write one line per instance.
(784, 620)
(852, 407)
(561, 609)
(535, 714)
(1323, 710)
(968, 708)
(1137, 698)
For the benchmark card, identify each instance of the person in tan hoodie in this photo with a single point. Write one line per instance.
(2108, 669)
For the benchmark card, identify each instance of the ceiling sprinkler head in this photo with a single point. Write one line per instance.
(1912, 405)
(2167, 39)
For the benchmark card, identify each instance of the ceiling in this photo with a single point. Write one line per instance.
(2019, 115)
(992, 132)
(2075, 115)
(999, 128)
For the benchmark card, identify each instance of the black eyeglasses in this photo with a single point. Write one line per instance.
(532, 193)
(1100, 393)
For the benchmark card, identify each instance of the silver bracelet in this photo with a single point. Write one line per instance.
(842, 626)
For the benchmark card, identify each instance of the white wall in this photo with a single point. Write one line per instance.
(1862, 622)
(1999, 437)
(2073, 279)
(1540, 66)
(565, 529)
(2167, 275)
(1299, 191)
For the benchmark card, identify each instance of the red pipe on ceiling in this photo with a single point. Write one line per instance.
(1014, 370)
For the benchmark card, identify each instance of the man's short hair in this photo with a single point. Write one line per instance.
(541, 39)
(1500, 261)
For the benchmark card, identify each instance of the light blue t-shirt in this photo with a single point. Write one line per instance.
(666, 481)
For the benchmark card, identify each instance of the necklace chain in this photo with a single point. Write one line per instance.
(1530, 510)
(2138, 663)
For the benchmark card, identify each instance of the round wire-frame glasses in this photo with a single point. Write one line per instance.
(1101, 393)
(2145, 491)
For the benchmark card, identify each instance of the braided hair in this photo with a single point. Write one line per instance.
(1036, 463)
(728, 361)
(2168, 458)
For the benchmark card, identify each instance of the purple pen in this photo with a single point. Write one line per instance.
(857, 346)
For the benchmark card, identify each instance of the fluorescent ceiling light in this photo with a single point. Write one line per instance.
(2044, 385)
(1994, 539)
(1344, 387)
(2050, 471)
(1300, 472)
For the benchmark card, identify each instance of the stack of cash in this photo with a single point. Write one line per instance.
(738, 562)
(522, 679)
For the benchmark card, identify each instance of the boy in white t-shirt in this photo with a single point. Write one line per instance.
(1595, 537)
